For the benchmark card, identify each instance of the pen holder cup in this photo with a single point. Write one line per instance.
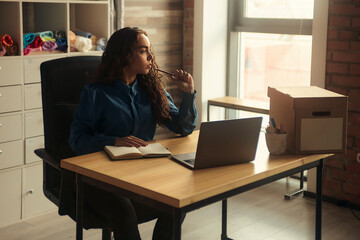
(276, 143)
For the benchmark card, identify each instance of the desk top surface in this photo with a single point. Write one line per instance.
(241, 104)
(168, 182)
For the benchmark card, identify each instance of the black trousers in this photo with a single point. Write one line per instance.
(124, 215)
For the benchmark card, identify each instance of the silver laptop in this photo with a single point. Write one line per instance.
(223, 143)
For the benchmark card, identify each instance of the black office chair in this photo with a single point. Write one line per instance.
(61, 83)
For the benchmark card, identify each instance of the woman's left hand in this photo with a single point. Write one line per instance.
(184, 81)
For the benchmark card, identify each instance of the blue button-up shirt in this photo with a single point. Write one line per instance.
(107, 112)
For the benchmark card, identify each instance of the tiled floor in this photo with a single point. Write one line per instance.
(258, 214)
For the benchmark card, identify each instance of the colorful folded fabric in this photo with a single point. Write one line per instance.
(48, 39)
(6, 40)
(73, 49)
(82, 44)
(37, 49)
(83, 34)
(2, 50)
(36, 43)
(45, 34)
(101, 44)
(12, 50)
(93, 42)
(71, 37)
(61, 44)
(28, 38)
(49, 46)
(27, 51)
(59, 34)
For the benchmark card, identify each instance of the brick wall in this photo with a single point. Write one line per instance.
(342, 173)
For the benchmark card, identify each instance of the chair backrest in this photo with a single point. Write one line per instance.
(61, 83)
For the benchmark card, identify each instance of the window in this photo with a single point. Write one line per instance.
(281, 9)
(270, 44)
(273, 60)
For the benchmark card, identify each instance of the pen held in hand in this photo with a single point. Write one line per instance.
(272, 121)
(171, 74)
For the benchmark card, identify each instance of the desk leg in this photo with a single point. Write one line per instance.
(224, 221)
(177, 221)
(79, 207)
(318, 219)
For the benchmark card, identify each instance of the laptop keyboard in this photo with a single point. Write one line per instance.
(190, 161)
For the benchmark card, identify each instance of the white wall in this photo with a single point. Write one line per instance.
(318, 62)
(210, 47)
(319, 40)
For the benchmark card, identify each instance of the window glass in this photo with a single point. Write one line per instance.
(273, 60)
(288, 9)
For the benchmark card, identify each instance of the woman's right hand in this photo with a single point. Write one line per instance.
(130, 141)
(184, 81)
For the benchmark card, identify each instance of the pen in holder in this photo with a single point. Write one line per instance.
(276, 139)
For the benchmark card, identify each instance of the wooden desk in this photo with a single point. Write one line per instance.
(239, 104)
(250, 106)
(168, 186)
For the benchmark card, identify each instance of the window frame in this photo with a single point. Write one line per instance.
(317, 27)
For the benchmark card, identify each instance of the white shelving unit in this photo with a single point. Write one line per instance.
(21, 125)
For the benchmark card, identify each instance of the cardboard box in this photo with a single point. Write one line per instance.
(314, 118)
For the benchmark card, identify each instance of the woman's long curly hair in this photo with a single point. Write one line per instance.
(117, 55)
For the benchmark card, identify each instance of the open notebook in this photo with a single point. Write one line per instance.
(151, 150)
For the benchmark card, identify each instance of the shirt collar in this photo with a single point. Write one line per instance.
(134, 88)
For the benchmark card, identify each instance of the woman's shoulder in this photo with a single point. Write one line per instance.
(94, 93)
(96, 87)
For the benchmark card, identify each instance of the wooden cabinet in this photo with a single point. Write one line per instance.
(32, 66)
(10, 98)
(10, 127)
(33, 123)
(32, 95)
(33, 198)
(21, 123)
(10, 201)
(11, 154)
(31, 144)
(10, 71)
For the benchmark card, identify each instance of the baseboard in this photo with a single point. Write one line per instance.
(338, 202)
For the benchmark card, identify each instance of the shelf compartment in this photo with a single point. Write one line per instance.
(41, 17)
(10, 22)
(90, 18)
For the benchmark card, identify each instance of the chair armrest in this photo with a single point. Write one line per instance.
(45, 156)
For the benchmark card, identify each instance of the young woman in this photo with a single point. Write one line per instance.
(123, 107)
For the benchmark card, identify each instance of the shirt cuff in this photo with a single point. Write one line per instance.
(188, 97)
(109, 141)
